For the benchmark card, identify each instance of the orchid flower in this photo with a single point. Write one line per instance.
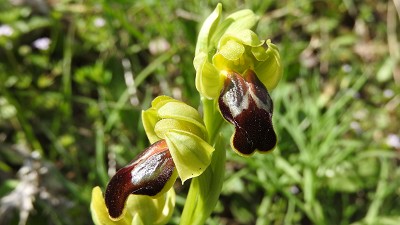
(178, 148)
(234, 66)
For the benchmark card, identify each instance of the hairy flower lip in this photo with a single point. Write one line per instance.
(148, 174)
(245, 102)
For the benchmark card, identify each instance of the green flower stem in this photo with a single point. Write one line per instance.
(212, 118)
(205, 189)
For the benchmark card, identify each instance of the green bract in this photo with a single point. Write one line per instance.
(140, 209)
(232, 46)
(183, 129)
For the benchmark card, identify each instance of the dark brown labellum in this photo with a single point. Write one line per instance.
(147, 174)
(245, 102)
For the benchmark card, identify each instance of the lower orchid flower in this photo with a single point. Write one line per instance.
(179, 149)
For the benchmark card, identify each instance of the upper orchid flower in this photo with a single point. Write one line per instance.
(232, 46)
(233, 65)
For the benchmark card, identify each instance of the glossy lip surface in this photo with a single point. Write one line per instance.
(245, 102)
(147, 174)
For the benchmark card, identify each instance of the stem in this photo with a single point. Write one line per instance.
(212, 119)
(205, 189)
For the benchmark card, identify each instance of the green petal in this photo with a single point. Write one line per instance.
(270, 71)
(191, 154)
(223, 64)
(167, 207)
(180, 111)
(199, 59)
(208, 81)
(235, 23)
(150, 116)
(149, 119)
(165, 125)
(259, 53)
(137, 220)
(231, 50)
(160, 101)
(164, 107)
(147, 210)
(99, 211)
(206, 32)
(245, 37)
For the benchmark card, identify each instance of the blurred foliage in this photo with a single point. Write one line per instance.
(75, 75)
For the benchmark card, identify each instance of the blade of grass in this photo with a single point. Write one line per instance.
(153, 66)
(66, 72)
(380, 193)
(100, 155)
(25, 124)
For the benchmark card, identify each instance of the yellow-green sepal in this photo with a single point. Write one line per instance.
(184, 132)
(205, 34)
(235, 23)
(150, 210)
(140, 209)
(270, 70)
(99, 211)
(244, 37)
(191, 154)
(208, 81)
(177, 115)
(181, 111)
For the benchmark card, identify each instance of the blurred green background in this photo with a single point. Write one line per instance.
(75, 75)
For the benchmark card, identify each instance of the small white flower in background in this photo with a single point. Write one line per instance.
(388, 93)
(158, 45)
(6, 30)
(294, 189)
(42, 43)
(393, 141)
(99, 22)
